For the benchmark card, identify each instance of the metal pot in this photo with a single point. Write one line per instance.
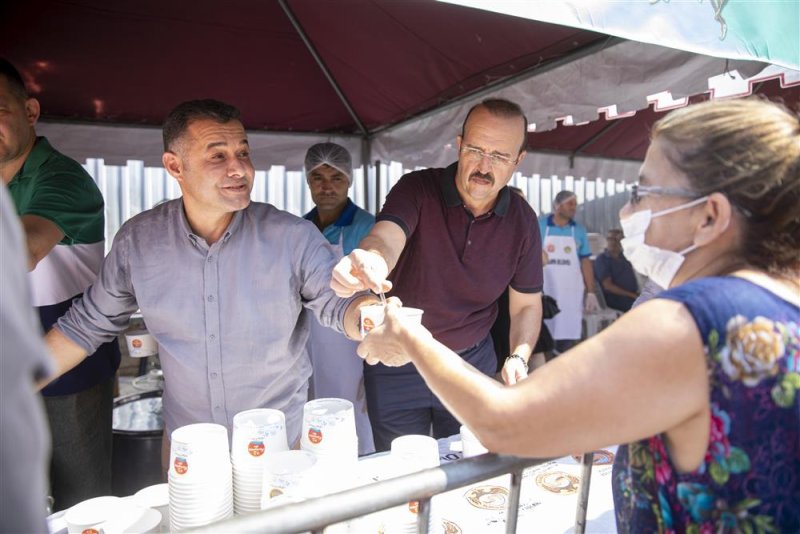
(137, 427)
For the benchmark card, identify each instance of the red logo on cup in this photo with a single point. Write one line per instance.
(314, 435)
(137, 343)
(256, 448)
(181, 465)
(413, 507)
(368, 324)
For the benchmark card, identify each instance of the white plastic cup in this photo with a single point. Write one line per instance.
(470, 444)
(258, 433)
(199, 450)
(413, 453)
(329, 424)
(90, 516)
(289, 473)
(155, 497)
(373, 315)
(141, 344)
(410, 454)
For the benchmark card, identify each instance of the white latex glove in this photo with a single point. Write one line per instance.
(360, 270)
(590, 304)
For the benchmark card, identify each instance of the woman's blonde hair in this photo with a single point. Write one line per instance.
(749, 150)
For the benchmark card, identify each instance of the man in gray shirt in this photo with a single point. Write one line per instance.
(24, 440)
(220, 280)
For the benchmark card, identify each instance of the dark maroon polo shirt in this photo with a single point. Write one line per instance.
(455, 266)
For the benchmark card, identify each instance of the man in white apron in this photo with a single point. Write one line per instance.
(568, 274)
(337, 369)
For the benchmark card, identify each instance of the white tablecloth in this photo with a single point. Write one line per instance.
(548, 498)
(547, 501)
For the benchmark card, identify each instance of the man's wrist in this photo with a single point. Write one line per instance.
(380, 254)
(516, 356)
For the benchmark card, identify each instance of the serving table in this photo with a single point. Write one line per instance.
(548, 498)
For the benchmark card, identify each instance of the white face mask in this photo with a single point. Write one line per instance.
(657, 264)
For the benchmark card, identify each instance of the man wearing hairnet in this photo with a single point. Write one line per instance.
(568, 273)
(337, 369)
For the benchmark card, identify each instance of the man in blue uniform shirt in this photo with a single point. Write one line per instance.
(337, 369)
(568, 272)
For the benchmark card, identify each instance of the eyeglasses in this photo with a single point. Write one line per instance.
(477, 155)
(638, 192)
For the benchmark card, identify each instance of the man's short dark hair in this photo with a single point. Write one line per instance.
(185, 113)
(506, 109)
(15, 81)
(563, 196)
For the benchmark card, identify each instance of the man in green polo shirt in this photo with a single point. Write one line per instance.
(61, 210)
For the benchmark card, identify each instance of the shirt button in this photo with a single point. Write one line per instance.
(212, 337)
(210, 259)
(218, 407)
(213, 375)
(211, 298)
(469, 242)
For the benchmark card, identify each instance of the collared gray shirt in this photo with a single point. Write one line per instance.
(227, 317)
(24, 439)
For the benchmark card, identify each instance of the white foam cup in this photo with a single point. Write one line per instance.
(410, 454)
(141, 344)
(198, 450)
(373, 315)
(289, 473)
(155, 497)
(328, 424)
(257, 433)
(90, 516)
(414, 453)
(470, 444)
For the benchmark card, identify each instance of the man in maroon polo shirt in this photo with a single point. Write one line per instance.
(453, 239)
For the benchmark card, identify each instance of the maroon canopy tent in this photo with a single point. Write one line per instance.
(355, 70)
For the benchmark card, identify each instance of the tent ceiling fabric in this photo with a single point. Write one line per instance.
(131, 62)
(107, 73)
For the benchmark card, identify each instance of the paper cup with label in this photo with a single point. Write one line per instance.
(89, 517)
(155, 497)
(373, 315)
(141, 344)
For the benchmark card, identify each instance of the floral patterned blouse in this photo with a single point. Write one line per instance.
(749, 481)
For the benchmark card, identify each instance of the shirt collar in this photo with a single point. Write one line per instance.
(39, 153)
(345, 218)
(233, 226)
(550, 222)
(452, 198)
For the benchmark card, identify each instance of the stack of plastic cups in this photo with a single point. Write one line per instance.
(329, 433)
(257, 434)
(289, 476)
(470, 444)
(410, 454)
(200, 481)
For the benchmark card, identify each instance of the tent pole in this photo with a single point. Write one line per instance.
(322, 66)
(607, 128)
(377, 186)
(366, 155)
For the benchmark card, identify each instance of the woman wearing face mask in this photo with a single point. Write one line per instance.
(702, 382)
